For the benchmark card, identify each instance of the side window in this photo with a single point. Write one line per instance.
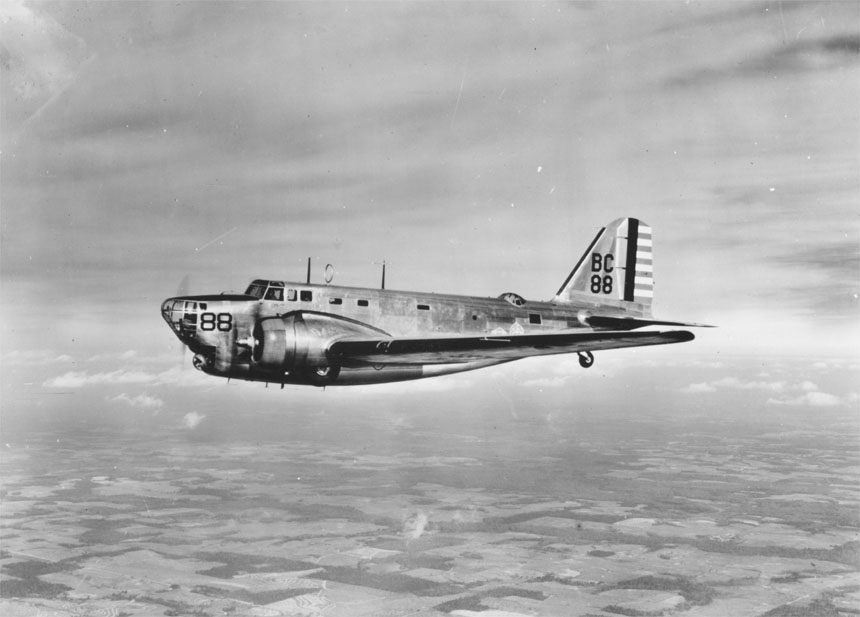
(534, 318)
(423, 307)
(291, 295)
(335, 301)
(306, 295)
(275, 293)
(362, 302)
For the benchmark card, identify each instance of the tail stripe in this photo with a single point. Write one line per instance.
(643, 279)
(632, 243)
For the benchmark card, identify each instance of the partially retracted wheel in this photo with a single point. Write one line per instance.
(199, 361)
(586, 359)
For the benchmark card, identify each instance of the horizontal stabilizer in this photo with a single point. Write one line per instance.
(631, 323)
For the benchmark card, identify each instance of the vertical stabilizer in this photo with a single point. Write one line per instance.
(615, 271)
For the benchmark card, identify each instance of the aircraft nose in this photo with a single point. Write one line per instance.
(173, 310)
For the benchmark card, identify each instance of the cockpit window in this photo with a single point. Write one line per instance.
(256, 290)
(275, 293)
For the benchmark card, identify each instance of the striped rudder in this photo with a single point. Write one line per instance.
(637, 245)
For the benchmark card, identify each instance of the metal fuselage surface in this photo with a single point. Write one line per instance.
(219, 329)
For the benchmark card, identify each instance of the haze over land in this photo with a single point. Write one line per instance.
(723, 498)
(477, 148)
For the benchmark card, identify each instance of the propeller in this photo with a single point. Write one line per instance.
(182, 290)
(183, 286)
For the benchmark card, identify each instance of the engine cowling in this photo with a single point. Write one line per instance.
(296, 343)
(283, 343)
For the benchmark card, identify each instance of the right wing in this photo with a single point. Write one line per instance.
(376, 351)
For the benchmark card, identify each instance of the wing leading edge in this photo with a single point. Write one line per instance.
(356, 352)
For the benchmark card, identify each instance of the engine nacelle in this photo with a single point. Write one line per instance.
(285, 344)
(297, 342)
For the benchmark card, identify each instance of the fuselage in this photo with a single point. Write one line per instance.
(403, 313)
(219, 329)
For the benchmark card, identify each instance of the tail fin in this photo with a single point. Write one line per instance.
(615, 271)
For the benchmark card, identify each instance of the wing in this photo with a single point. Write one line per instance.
(355, 352)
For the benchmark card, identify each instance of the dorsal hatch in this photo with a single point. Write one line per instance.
(511, 297)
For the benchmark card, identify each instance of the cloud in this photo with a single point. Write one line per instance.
(144, 153)
(697, 388)
(734, 382)
(79, 379)
(738, 384)
(807, 386)
(810, 399)
(40, 57)
(547, 382)
(178, 376)
(142, 401)
(192, 419)
(36, 358)
(131, 354)
(804, 392)
(413, 526)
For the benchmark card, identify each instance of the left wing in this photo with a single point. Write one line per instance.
(360, 351)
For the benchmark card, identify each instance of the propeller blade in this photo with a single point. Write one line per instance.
(182, 290)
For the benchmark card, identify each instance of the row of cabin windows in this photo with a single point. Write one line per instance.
(305, 295)
(277, 294)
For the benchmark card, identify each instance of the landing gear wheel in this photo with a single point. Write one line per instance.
(199, 362)
(586, 359)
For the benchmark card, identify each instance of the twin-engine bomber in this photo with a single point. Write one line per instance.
(326, 335)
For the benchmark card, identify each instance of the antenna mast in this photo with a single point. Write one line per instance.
(382, 286)
(309, 271)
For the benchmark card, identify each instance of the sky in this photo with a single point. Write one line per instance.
(475, 147)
